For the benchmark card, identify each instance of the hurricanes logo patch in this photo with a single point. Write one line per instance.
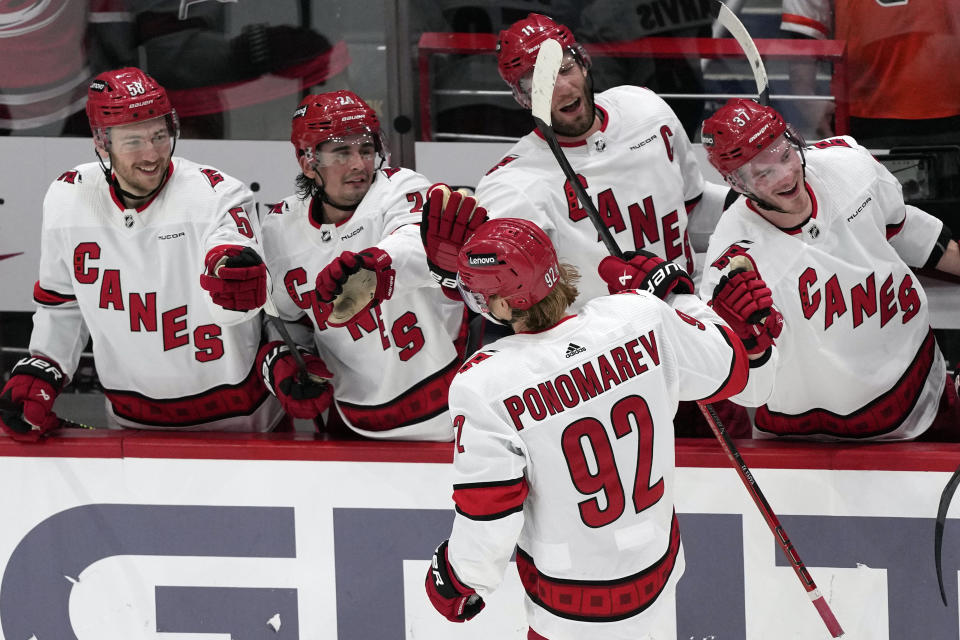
(574, 349)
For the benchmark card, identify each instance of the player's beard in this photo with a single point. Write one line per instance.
(582, 124)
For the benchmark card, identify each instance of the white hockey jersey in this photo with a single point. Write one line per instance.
(639, 169)
(393, 365)
(857, 358)
(166, 355)
(565, 449)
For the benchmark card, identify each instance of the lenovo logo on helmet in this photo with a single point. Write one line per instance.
(706, 137)
(481, 259)
(300, 112)
(98, 85)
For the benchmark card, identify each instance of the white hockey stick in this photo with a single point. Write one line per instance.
(545, 72)
(732, 23)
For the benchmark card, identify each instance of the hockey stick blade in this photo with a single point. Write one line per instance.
(545, 70)
(732, 23)
(945, 498)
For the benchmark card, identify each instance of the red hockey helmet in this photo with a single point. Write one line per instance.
(738, 131)
(517, 49)
(334, 115)
(509, 257)
(126, 96)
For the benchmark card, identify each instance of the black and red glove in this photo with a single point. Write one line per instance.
(644, 270)
(27, 399)
(331, 280)
(454, 600)
(304, 399)
(448, 220)
(236, 278)
(745, 303)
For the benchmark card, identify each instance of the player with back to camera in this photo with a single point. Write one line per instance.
(827, 228)
(564, 435)
(635, 161)
(157, 259)
(389, 360)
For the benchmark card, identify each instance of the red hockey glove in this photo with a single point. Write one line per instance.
(28, 397)
(454, 600)
(449, 218)
(305, 399)
(239, 283)
(354, 282)
(644, 270)
(745, 303)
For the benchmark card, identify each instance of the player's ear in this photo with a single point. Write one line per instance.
(307, 166)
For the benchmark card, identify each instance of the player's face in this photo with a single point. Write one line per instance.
(775, 175)
(571, 112)
(140, 154)
(572, 109)
(345, 167)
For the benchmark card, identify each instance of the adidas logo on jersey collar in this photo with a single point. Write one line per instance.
(574, 349)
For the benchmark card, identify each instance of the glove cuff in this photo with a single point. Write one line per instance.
(267, 357)
(43, 368)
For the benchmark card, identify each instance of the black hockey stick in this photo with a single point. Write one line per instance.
(549, 58)
(12, 414)
(945, 499)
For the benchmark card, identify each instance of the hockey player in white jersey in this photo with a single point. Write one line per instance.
(632, 156)
(564, 437)
(129, 245)
(390, 361)
(827, 228)
(626, 145)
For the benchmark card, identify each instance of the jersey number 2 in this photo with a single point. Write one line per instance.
(599, 472)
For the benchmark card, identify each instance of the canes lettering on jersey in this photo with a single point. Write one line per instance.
(865, 299)
(584, 382)
(407, 335)
(142, 307)
(643, 221)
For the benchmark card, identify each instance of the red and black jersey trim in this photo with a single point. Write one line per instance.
(218, 403)
(49, 298)
(880, 416)
(601, 600)
(423, 401)
(736, 378)
(490, 500)
(895, 229)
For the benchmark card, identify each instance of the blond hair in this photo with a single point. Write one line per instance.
(553, 307)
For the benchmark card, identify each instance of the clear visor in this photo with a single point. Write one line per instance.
(476, 302)
(567, 65)
(157, 134)
(771, 166)
(340, 151)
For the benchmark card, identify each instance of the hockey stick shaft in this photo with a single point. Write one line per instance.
(545, 71)
(783, 540)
